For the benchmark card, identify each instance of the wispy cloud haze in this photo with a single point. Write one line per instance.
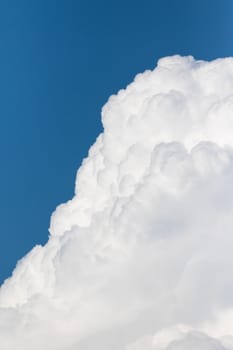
(141, 257)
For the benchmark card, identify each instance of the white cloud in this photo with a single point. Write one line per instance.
(146, 243)
(181, 338)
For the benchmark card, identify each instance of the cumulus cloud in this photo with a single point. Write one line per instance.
(141, 257)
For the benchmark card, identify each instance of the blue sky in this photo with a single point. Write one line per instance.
(59, 62)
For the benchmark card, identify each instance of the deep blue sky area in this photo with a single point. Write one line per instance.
(59, 63)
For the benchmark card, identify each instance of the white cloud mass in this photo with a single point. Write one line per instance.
(142, 257)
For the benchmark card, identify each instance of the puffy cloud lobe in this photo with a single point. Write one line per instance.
(181, 338)
(146, 243)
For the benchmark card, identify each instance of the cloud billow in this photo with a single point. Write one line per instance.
(141, 257)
